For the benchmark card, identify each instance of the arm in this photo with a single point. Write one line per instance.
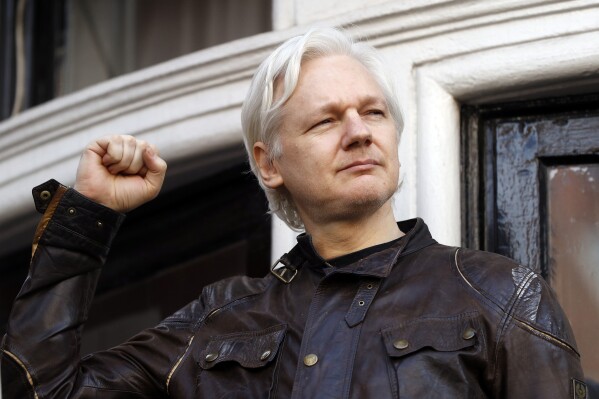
(532, 352)
(537, 354)
(40, 352)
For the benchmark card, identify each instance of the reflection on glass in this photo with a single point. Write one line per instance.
(573, 244)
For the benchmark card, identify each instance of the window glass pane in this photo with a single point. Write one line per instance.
(108, 38)
(573, 238)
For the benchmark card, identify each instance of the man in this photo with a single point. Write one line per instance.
(362, 307)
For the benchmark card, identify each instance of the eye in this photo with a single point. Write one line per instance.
(376, 112)
(322, 123)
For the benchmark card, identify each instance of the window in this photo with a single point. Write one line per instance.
(55, 47)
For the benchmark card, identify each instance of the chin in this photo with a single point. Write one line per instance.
(368, 198)
(351, 207)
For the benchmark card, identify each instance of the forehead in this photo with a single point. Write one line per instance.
(336, 79)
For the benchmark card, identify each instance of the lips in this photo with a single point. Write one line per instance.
(360, 165)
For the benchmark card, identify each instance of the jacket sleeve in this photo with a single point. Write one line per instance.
(532, 351)
(537, 352)
(40, 352)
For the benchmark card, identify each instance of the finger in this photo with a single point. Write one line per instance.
(154, 149)
(99, 147)
(137, 162)
(127, 151)
(112, 147)
(144, 170)
(156, 169)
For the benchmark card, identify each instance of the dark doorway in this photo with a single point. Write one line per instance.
(531, 192)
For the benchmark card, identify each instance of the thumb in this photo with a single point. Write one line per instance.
(156, 168)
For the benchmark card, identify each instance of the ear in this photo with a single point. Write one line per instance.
(267, 169)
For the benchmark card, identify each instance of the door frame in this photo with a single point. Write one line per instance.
(480, 226)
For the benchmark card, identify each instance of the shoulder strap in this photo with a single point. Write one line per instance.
(286, 267)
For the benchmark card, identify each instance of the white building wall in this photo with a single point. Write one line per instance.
(443, 53)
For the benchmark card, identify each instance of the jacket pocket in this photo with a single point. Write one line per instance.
(241, 364)
(436, 357)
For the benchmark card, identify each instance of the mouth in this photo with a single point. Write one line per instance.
(360, 165)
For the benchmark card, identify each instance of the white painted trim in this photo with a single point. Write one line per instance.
(438, 163)
(508, 73)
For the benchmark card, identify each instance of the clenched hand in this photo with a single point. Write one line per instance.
(120, 172)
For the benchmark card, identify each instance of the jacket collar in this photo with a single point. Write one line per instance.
(378, 264)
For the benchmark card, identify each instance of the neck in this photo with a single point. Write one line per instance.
(339, 237)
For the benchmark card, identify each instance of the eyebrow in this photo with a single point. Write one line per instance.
(364, 101)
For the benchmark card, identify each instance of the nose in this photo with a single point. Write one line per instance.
(356, 132)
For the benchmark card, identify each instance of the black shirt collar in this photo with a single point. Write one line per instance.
(374, 261)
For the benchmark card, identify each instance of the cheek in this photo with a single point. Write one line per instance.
(389, 145)
(394, 164)
(298, 166)
(314, 154)
(396, 172)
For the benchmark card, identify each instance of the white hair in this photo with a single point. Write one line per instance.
(261, 114)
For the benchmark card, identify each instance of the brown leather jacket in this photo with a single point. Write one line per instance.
(417, 320)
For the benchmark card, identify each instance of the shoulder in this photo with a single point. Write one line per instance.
(490, 274)
(220, 294)
(520, 293)
(233, 289)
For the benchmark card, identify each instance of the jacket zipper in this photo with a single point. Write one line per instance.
(170, 375)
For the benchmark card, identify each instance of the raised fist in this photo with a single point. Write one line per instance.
(120, 172)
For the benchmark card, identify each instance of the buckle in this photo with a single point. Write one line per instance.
(285, 273)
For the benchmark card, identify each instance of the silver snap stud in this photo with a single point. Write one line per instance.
(469, 333)
(265, 355)
(401, 344)
(310, 360)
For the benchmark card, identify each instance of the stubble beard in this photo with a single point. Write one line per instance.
(358, 206)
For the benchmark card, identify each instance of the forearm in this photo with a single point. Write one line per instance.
(41, 347)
